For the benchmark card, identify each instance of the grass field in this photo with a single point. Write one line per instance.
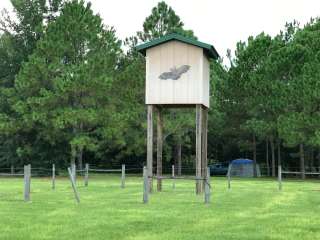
(252, 209)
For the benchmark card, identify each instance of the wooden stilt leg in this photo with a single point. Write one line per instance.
(199, 123)
(204, 160)
(159, 148)
(150, 146)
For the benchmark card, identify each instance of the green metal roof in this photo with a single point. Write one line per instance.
(209, 49)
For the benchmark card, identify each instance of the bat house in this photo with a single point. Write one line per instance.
(177, 75)
(177, 70)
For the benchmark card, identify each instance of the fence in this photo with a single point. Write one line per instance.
(300, 173)
(26, 180)
(206, 181)
(87, 170)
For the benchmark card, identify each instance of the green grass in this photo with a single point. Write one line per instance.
(252, 209)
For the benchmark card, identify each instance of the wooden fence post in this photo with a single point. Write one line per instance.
(173, 180)
(279, 177)
(53, 176)
(74, 172)
(12, 169)
(86, 175)
(73, 184)
(229, 176)
(27, 178)
(145, 186)
(207, 187)
(123, 175)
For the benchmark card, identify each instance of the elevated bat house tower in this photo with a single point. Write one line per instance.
(177, 75)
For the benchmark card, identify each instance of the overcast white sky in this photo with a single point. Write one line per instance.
(219, 22)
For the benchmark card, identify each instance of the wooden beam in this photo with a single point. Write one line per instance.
(159, 147)
(74, 172)
(279, 177)
(150, 145)
(27, 179)
(199, 128)
(207, 188)
(86, 175)
(123, 175)
(204, 160)
(145, 186)
(73, 184)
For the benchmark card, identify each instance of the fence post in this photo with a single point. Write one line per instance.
(173, 178)
(123, 175)
(229, 176)
(27, 176)
(207, 187)
(279, 177)
(145, 186)
(73, 184)
(74, 172)
(53, 176)
(12, 169)
(86, 175)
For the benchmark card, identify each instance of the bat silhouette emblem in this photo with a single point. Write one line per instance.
(175, 73)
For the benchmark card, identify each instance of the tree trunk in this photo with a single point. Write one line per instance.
(318, 161)
(217, 152)
(73, 156)
(267, 158)
(312, 160)
(302, 163)
(279, 152)
(254, 155)
(178, 148)
(273, 160)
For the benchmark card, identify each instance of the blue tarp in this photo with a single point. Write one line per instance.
(241, 161)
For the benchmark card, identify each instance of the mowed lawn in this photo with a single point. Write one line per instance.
(252, 209)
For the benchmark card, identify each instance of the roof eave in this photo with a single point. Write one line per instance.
(209, 49)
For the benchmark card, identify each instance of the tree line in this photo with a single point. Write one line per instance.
(69, 92)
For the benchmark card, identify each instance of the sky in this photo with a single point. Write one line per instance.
(221, 23)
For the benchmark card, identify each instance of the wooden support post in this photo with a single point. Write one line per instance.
(53, 176)
(86, 175)
(204, 160)
(280, 177)
(159, 148)
(173, 178)
(207, 187)
(73, 184)
(74, 172)
(27, 180)
(145, 185)
(150, 146)
(229, 176)
(123, 175)
(25, 175)
(199, 123)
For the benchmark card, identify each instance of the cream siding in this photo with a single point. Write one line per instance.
(191, 88)
(206, 81)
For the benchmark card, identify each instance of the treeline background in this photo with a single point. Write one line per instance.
(69, 92)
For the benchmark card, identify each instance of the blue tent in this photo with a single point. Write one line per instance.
(243, 168)
(241, 161)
